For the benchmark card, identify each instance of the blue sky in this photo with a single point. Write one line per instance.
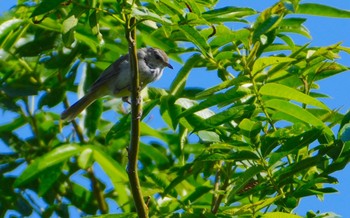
(325, 31)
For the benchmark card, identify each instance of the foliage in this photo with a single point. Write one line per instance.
(254, 144)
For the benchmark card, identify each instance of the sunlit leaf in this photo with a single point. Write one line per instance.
(169, 110)
(93, 21)
(85, 159)
(322, 10)
(227, 14)
(280, 215)
(297, 113)
(266, 26)
(264, 62)
(52, 158)
(230, 114)
(221, 86)
(282, 91)
(196, 38)
(230, 96)
(248, 207)
(303, 165)
(144, 13)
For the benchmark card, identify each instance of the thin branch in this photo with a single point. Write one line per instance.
(98, 193)
(33, 122)
(78, 130)
(216, 188)
(217, 199)
(133, 150)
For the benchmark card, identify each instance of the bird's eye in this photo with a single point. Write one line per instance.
(158, 57)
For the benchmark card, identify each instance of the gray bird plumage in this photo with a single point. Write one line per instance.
(116, 79)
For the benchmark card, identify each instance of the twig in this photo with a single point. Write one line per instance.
(133, 150)
(78, 130)
(217, 199)
(98, 193)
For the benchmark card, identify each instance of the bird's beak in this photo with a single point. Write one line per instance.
(169, 65)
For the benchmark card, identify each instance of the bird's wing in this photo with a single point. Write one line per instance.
(110, 74)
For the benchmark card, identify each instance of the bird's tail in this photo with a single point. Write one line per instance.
(70, 113)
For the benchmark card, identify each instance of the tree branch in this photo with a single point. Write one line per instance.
(98, 193)
(133, 151)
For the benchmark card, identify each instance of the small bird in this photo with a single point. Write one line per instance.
(116, 79)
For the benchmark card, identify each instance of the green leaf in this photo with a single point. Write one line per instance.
(48, 178)
(236, 112)
(226, 14)
(51, 25)
(81, 196)
(12, 38)
(13, 125)
(46, 6)
(221, 86)
(344, 133)
(229, 96)
(146, 130)
(123, 215)
(264, 62)
(185, 172)
(297, 113)
(282, 91)
(20, 88)
(7, 28)
(93, 21)
(294, 25)
(170, 111)
(120, 128)
(52, 97)
(236, 156)
(196, 38)
(89, 40)
(199, 192)
(179, 82)
(143, 13)
(114, 170)
(248, 208)
(329, 69)
(116, 173)
(322, 10)
(244, 178)
(70, 24)
(155, 155)
(251, 130)
(266, 26)
(52, 158)
(208, 136)
(92, 118)
(279, 215)
(171, 8)
(85, 159)
(303, 165)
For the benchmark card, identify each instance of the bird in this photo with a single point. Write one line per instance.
(116, 79)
